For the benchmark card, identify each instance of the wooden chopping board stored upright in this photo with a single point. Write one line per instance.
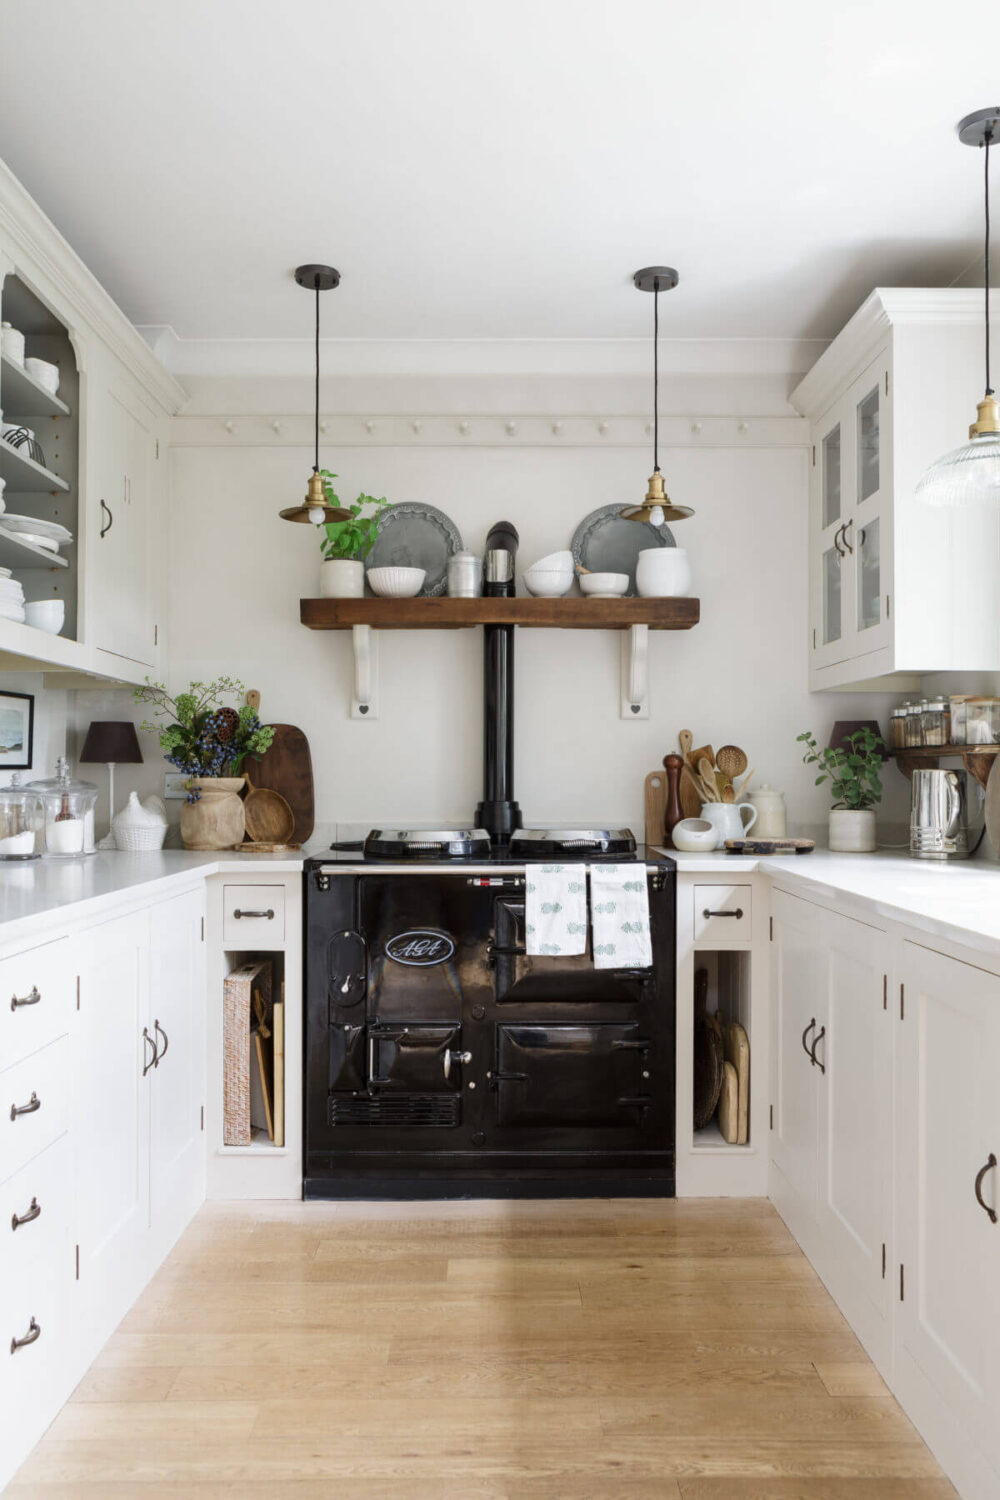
(287, 768)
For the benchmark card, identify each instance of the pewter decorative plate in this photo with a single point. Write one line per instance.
(605, 542)
(416, 536)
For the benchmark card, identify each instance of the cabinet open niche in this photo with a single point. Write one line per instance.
(41, 473)
(722, 1043)
(254, 1052)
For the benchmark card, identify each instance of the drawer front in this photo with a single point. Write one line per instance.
(253, 916)
(722, 915)
(37, 996)
(34, 1104)
(36, 1211)
(34, 1340)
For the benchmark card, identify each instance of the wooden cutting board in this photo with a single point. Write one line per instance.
(737, 1048)
(729, 1104)
(287, 768)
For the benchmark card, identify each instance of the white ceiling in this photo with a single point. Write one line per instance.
(499, 171)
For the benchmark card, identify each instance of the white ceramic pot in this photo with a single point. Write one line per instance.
(728, 821)
(12, 343)
(663, 573)
(851, 831)
(342, 578)
(770, 805)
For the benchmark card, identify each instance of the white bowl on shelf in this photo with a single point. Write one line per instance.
(551, 576)
(46, 614)
(604, 585)
(396, 583)
(46, 373)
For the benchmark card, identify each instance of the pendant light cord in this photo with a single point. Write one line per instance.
(656, 375)
(988, 136)
(316, 403)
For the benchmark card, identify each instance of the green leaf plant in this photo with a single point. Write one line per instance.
(853, 768)
(350, 541)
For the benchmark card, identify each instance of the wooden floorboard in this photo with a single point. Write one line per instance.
(518, 1351)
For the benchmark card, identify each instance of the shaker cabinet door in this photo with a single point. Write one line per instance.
(799, 1005)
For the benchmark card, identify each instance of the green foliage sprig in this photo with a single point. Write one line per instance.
(853, 768)
(202, 736)
(350, 540)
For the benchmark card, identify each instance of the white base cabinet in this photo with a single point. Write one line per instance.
(884, 1142)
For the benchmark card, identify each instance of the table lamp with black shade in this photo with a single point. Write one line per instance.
(116, 743)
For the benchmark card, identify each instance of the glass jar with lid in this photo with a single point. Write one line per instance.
(982, 721)
(936, 720)
(69, 813)
(914, 725)
(21, 821)
(897, 728)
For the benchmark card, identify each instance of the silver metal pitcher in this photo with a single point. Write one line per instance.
(939, 815)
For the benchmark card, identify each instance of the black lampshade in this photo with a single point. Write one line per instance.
(844, 727)
(111, 741)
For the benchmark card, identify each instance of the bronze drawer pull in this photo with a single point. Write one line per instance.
(991, 1162)
(32, 998)
(821, 1033)
(268, 914)
(26, 1218)
(26, 1109)
(809, 1028)
(34, 1332)
(152, 1061)
(738, 913)
(166, 1043)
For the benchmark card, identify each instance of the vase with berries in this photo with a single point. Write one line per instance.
(209, 741)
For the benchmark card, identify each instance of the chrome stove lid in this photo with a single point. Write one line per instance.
(574, 843)
(427, 843)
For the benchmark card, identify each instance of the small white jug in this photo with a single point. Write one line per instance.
(728, 821)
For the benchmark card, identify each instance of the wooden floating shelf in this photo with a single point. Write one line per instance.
(464, 614)
(978, 758)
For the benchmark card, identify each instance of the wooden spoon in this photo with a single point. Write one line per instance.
(744, 784)
(701, 792)
(706, 775)
(686, 741)
(729, 793)
(732, 760)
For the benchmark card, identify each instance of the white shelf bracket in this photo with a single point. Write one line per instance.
(635, 672)
(364, 704)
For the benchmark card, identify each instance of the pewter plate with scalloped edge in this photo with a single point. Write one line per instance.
(416, 536)
(605, 542)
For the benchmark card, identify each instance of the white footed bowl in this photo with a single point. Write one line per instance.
(695, 836)
(604, 583)
(396, 583)
(663, 573)
(550, 576)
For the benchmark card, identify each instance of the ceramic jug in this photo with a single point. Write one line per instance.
(728, 820)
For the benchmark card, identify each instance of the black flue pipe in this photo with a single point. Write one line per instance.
(498, 813)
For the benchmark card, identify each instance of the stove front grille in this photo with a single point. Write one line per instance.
(393, 1110)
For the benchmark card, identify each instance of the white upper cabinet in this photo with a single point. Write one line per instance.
(896, 586)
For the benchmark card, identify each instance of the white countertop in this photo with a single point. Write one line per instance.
(959, 900)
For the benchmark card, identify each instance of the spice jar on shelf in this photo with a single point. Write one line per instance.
(914, 725)
(936, 721)
(897, 728)
(958, 703)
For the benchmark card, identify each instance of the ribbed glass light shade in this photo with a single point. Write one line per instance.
(969, 475)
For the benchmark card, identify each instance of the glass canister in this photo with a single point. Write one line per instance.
(21, 821)
(69, 813)
(936, 720)
(465, 576)
(982, 721)
(914, 725)
(958, 702)
(897, 728)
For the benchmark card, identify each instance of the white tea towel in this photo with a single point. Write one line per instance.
(619, 904)
(555, 909)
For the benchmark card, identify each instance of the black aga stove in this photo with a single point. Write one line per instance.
(442, 1060)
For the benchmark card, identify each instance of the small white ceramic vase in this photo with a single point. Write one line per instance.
(663, 573)
(342, 578)
(852, 831)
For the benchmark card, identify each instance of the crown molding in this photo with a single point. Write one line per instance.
(29, 233)
(864, 334)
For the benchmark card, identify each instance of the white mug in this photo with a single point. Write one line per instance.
(728, 821)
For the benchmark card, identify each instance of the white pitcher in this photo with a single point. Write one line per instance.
(727, 818)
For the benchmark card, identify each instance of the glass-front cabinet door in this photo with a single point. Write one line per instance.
(849, 531)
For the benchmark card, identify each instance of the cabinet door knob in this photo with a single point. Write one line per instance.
(166, 1043)
(821, 1033)
(836, 541)
(809, 1028)
(107, 525)
(844, 530)
(26, 1109)
(991, 1162)
(152, 1061)
(31, 998)
(27, 1217)
(34, 1332)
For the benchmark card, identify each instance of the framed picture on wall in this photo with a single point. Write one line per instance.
(17, 731)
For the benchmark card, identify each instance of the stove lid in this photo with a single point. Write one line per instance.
(573, 842)
(427, 843)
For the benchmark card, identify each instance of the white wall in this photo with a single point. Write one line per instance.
(237, 573)
(51, 715)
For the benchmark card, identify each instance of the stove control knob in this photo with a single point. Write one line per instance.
(454, 1057)
(479, 1012)
(479, 1139)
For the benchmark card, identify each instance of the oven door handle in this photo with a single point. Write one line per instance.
(641, 1044)
(383, 1036)
(494, 951)
(496, 1078)
(641, 976)
(634, 1101)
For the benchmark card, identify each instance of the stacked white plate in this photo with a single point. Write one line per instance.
(11, 598)
(48, 535)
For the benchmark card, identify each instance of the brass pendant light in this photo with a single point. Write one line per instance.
(657, 506)
(314, 510)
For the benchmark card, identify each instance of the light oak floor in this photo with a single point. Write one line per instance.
(525, 1351)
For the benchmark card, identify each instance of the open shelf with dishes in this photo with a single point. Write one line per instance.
(39, 463)
(457, 614)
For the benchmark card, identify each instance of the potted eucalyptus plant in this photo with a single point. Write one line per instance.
(346, 544)
(854, 770)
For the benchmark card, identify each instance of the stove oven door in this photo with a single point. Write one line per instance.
(571, 1076)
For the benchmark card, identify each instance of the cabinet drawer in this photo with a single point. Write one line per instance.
(32, 1378)
(253, 916)
(42, 1083)
(722, 915)
(35, 1215)
(37, 995)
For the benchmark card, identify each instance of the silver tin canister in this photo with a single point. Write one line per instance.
(465, 575)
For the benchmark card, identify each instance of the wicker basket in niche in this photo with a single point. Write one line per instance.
(237, 997)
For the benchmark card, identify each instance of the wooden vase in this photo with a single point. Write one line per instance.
(217, 819)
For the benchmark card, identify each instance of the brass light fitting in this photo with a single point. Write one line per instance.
(657, 506)
(314, 510)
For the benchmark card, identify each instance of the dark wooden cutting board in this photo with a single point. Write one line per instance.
(287, 768)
